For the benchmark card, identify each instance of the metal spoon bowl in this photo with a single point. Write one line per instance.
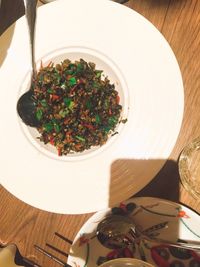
(26, 106)
(114, 232)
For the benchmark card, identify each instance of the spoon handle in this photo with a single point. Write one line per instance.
(121, 1)
(30, 12)
(189, 245)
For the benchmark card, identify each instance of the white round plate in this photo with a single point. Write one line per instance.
(137, 59)
(163, 219)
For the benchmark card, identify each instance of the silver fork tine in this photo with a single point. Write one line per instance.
(133, 233)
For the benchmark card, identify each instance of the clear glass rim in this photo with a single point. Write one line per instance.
(183, 167)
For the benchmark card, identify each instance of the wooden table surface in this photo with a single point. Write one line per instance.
(179, 22)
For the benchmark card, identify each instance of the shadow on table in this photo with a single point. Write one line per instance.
(127, 176)
(10, 11)
(165, 184)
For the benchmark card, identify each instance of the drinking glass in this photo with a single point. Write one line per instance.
(189, 168)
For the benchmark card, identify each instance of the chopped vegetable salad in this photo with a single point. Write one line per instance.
(77, 106)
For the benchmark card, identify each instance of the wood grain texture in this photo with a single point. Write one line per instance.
(26, 226)
(179, 22)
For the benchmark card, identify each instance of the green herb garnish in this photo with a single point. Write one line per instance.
(39, 114)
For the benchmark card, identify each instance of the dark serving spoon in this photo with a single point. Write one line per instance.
(121, 1)
(26, 106)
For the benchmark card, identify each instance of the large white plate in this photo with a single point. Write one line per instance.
(163, 219)
(144, 69)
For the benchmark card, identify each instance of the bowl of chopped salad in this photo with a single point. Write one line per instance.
(81, 103)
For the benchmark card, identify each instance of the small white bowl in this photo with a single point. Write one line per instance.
(126, 262)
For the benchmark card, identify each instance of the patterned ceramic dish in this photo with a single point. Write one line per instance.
(167, 220)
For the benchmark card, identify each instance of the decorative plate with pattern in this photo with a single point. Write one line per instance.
(164, 219)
